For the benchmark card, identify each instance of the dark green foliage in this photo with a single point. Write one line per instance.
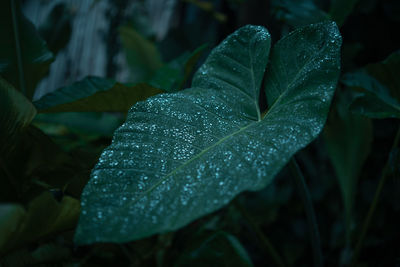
(24, 57)
(166, 176)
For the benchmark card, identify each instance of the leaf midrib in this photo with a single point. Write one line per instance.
(197, 156)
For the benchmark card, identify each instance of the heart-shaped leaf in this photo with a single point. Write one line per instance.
(183, 155)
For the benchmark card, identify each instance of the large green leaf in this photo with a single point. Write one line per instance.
(183, 155)
(16, 113)
(35, 58)
(95, 94)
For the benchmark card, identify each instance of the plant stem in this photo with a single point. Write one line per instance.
(262, 238)
(311, 218)
(374, 203)
(21, 77)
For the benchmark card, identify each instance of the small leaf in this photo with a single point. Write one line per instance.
(35, 57)
(220, 249)
(374, 101)
(348, 140)
(379, 84)
(298, 13)
(57, 28)
(11, 216)
(341, 9)
(183, 155)
(16, 113)
(44, 216)
(173, 76)
(94, 94)
(141, 54)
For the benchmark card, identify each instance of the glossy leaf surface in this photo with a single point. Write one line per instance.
(16, 113)
(183, 155)
(35, 57)
(95, 94)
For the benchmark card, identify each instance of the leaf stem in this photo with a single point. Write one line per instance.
(310, 213)
(261, 236)
(374, 203)
(21, 78)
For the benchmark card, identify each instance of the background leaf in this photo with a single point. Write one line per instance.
(11, 216)
(16, 114)
(44, 216)
(141, 54)
(341, 9)
(180, 156)
(348, 139)
(218, 249)
(94, 94)
(379, 88)
(298, 13)
(173, 76)
(35, 56)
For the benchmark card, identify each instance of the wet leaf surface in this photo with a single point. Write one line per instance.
(183, 155)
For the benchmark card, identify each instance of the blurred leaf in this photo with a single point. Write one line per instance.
(141, 54)
(11, 216)
(94, 94)
(298, 13)
(36, 164)
(51, 253)
(379, 84)
(341, 9)
(44, 216)
(35, 57)
(219, 249)
(96, 123)
(173, 76)
(183, 155)
(16, 113)
(210, 8)
(57, 28)
(387, 72)
(348, 139)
